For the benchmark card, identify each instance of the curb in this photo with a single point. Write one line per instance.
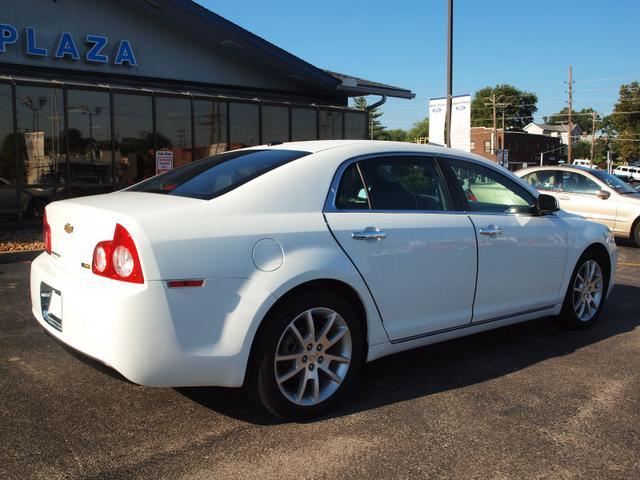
(19, 256)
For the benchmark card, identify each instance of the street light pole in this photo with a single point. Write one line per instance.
(449, 74)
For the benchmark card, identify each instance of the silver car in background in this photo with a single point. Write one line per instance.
(593, 194)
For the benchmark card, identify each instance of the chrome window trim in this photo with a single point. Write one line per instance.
(330, 202)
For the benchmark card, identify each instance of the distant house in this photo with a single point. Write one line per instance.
(554, 131)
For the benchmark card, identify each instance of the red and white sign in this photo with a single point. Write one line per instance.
(164, 161)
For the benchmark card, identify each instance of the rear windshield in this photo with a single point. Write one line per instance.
(214, 176)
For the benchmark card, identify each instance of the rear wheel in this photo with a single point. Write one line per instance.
(635, 233)
(586, 292)
(308, 355)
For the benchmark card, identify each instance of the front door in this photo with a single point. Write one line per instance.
(579, 194)
(521, 255)
(393, 217)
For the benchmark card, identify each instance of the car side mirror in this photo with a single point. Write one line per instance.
(546, 204)
(603, 194)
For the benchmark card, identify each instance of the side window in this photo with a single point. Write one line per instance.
(573, 182)
(351, 191)
(486, 190)
(404, 183)
(544, 180)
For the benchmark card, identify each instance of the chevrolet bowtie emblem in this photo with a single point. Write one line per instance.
(68, 228)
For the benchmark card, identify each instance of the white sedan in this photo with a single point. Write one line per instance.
(284, 268)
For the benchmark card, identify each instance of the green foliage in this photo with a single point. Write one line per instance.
(374, 118)
(518, 113)
(419, 129)
(582, 118)
(625, 124)
(396, 135)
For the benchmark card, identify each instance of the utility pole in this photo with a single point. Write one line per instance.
(494, 139)
(447, 121)
(570, 133)
(594, 115)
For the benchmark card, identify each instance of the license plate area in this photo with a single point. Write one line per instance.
(51, 305)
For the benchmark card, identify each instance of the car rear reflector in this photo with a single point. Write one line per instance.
(185, 283)
(46, 233)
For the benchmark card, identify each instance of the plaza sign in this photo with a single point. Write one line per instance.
(97, 47)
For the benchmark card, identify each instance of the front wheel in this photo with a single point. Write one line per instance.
(307, 356)
(635, 233)
(586, 293)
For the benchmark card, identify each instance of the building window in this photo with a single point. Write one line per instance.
(355, 125)
(472, 145)
(41, 139)
(173, 124)
(7, 161)
(89, 132)
(244, 121)
(330, 125)
(303, 124)
(210, 128)
(275, 124)
(133, 118)
(487, 146)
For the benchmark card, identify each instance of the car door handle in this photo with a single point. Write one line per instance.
(491, 230)
(369, 233)
(564, 197)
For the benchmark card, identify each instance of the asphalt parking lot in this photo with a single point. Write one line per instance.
(528, 401)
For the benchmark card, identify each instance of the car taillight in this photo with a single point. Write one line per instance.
(46, 233)
(118, 258)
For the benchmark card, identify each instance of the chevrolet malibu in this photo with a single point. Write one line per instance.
(283, 268)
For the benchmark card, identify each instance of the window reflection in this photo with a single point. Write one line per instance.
(7, 162)
(355, 126)
(275, 124)
(244, 121)
(303, 124)
(89, 131)
(211, 128)
(134, 138)
(330, 125)
(40, 129)
(173, 123)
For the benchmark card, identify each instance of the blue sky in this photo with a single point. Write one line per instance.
(403, 43)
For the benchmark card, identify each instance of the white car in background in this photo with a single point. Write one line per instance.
(283, 268)
(631, 173)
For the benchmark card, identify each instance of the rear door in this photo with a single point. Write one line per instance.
(393, 217)
(521, 255)
(579, 194)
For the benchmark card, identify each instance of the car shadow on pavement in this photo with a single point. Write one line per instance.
(452, 364)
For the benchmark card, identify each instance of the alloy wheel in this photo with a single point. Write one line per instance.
(313, 356)
(588, 288)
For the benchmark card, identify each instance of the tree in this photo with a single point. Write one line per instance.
(518, 113)
(374, 118)
(625, 122)
(583, 119)
(420, 129)
(396, 135)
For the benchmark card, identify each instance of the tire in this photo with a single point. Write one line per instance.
(586, 293)
(36, 208)
(635, 233)
(313, 377)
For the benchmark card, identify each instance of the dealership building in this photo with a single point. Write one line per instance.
(92, 91)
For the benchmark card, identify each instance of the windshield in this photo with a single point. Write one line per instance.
(214, 176)
(613, 182)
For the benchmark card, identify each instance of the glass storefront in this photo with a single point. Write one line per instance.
(331, 125)
(80, 140)
(275, 124)
(245, 122)
(303, 124)
(210, 128)
(133, 119)
(173, 124)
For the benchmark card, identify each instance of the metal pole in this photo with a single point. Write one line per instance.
(593, 134)
(447, 126)
(570, 133)
(541, 158)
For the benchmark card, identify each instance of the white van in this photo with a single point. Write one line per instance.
(583, 162)
(632, 173)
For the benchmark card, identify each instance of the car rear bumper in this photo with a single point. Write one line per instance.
(150, 334)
